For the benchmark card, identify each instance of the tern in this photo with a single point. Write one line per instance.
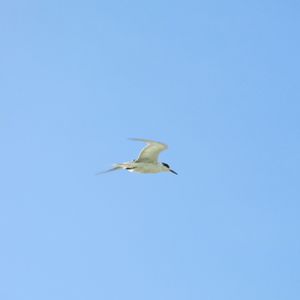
(147, 160)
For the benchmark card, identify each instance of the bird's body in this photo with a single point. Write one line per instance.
(141, 167)
(147, 161)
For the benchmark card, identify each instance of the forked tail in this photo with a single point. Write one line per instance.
(115, 168)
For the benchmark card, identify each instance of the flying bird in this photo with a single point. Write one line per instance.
(147, 162)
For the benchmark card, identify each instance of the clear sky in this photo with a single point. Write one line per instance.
(218, 81)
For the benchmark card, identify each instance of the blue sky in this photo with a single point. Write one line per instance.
(218, 81)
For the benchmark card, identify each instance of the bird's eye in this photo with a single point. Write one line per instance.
(166, 165)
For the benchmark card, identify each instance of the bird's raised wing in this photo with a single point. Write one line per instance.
(151, 152)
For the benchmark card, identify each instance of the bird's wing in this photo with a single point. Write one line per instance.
(151, 152)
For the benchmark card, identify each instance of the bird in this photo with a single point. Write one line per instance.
(147, 161)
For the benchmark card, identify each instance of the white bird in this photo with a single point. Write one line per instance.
(147, 161)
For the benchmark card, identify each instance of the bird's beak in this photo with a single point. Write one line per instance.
(173, 172)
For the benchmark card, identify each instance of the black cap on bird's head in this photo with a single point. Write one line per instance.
(166, 165)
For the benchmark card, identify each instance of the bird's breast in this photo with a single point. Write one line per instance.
(146, 168)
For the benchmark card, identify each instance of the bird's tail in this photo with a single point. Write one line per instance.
(115, 168)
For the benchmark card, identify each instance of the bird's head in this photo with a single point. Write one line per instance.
(167, 168)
